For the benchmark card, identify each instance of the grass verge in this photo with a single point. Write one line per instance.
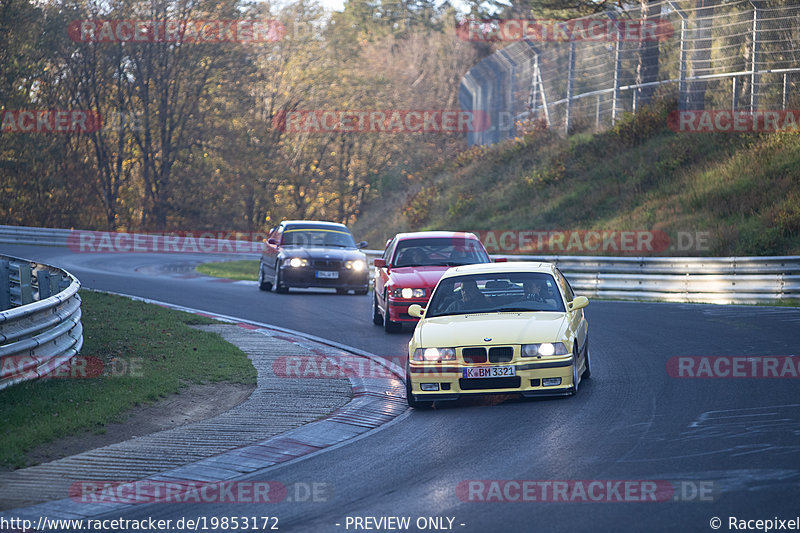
(244, 270)
(148, 352)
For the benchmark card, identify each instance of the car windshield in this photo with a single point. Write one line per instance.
(495, 293)
(324, 238)
(444, 251)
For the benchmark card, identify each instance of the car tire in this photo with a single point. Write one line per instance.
(415, 404)
(263, 285)
(587, 371)
(575, 377)
(377, 318)
(279, 287)
(390, 326)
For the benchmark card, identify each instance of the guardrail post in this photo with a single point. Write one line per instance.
(43, 282)
(5, 286)
(25, 288)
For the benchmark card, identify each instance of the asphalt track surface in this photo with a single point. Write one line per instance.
(727, 447)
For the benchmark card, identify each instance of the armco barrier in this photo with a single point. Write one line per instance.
(40, 319)
(676, 279)
(722, 280)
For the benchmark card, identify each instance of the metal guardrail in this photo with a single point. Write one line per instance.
(35, 236)
(721, 280)
(676, 279)
(40, 319)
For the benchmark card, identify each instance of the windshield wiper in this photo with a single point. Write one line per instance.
(517, 309)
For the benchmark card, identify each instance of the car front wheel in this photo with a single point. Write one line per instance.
(262, 284)
(389, 325)
(377, 319)
(279, 288)
(587, 371)
(575, 376)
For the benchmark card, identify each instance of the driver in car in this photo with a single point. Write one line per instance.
(534, 290)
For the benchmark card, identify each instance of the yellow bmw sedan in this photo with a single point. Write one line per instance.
(498, 328)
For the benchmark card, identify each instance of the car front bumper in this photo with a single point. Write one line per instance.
(527, 381)
(398, 308)
(304, 277)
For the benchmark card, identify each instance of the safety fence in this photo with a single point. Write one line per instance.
(709, 54)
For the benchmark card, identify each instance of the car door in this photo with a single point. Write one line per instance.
(577, 319)
(272, 251)
(382, 275)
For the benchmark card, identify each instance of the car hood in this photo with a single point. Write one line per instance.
(333, 254)
(502, 328)
(417, 277)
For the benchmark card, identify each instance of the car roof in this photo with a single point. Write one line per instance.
(496, 268)
(434, 235)
(315, 224)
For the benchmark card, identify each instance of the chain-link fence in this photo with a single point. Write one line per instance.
(586, 73)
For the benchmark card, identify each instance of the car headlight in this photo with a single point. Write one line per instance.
(356, 264)
(434, 355)
(295, 262)
(544, 349)
(408, 293)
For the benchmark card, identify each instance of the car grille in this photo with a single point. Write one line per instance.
(501, 354)
(324, 264)
(474, 355)
(489, 383)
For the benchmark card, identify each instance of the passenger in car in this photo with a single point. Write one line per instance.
(472, 299)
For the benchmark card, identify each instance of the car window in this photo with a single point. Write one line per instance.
(318, 237)
(439, 251)
(495, 292)
(565, 286)
(388, 251)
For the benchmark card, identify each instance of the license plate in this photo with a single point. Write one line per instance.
(488, 372)
(327, 275)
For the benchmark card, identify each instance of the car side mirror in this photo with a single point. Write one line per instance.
(272, 241)
(380, 262)
(362, 244)
(578, 303)
(416, 310)
(501, 260)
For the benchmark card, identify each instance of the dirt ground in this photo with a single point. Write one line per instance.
(192, 404)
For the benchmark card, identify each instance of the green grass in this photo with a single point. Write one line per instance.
(742, 189)
(245, 270)
(167, 353)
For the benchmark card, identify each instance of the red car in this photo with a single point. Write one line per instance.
(410, 268)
